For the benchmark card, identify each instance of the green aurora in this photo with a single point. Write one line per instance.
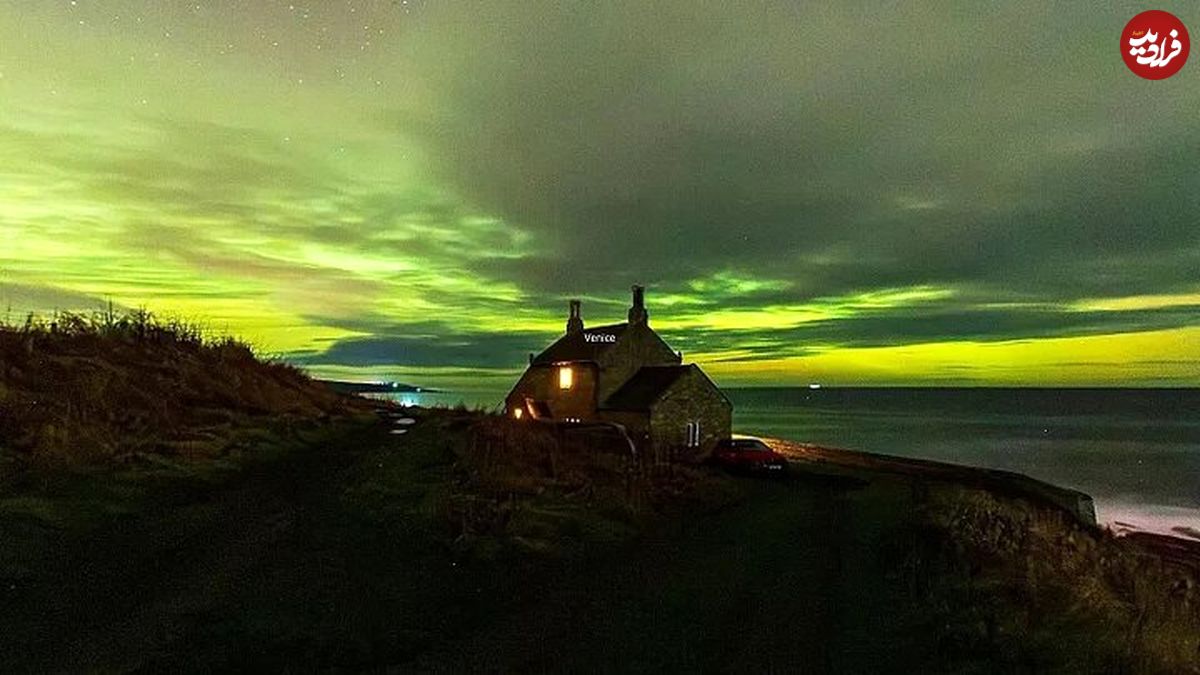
(856, 194)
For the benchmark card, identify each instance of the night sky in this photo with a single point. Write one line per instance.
(878, 193)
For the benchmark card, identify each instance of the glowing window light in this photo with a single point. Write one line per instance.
(517, 413)
(566, 377)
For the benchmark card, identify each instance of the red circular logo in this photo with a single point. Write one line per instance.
(1155, 44)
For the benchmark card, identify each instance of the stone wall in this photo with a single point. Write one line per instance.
(541, 383)
(637, 425)
(693, 397)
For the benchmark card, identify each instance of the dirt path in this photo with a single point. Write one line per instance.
(780, 584)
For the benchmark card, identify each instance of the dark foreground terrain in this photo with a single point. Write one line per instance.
(171, 503)
(339, 550)
(332, 555)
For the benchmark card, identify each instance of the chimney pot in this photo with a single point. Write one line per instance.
(637, 313)
(574, 317)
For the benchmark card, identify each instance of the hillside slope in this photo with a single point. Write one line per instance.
(106, 387)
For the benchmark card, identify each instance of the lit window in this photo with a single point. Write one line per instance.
(566, 378)
(517, 412)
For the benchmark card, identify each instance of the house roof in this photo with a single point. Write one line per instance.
(645, 387)
(576, 347)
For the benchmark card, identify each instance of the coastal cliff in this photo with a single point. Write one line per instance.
(1008, 483)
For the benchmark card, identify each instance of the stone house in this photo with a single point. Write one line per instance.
(624, 374)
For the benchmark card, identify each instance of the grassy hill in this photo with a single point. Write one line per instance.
(106, 387)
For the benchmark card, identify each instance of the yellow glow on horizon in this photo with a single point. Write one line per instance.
(1148, 357)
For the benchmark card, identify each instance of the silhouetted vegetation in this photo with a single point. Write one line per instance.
(547, 489)
(112, 386)
(1030, 589)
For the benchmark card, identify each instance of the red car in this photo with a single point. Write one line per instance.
(748, 455)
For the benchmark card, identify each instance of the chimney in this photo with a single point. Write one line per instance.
(574, 320)
(637, 313)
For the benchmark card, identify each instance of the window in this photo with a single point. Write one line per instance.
(517, 413)
(566, 378)
(692, 431)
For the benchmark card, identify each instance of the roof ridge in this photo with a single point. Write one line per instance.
(581, 346)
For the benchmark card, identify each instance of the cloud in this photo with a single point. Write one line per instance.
(915, 147)
(435, 345)
(20, 299)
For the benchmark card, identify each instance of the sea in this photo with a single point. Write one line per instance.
(1135, 451)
